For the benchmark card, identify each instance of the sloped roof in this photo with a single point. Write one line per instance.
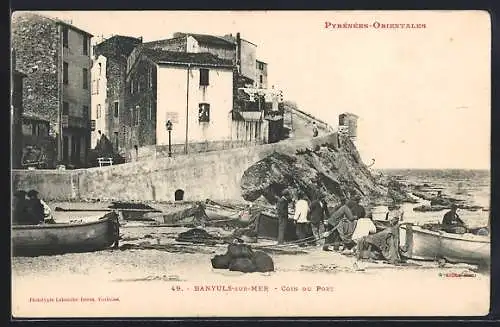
(210, 39)
(117, 45)
(30, 15)
(152, 44)
(174, 57)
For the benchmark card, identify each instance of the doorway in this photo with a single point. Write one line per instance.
(65, 150)
(75, 150)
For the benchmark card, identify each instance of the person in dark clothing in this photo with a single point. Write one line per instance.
(451, 220)
(282, 210)
(356, 209)
(19, 207)
(318, 213)
(341, 216)
(35, 210)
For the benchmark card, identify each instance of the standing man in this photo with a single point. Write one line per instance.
(300, 217)
(282, 209)
(315, 129)
(318, 213)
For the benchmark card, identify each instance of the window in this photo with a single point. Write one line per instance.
(98, 111)
(116, 140)
(43, 130)
(131, 86)
(65, 108)
(115, 109)
(85, 46)
(150, 109)
(65, 36)
(85, 77)
(204, 77)
(92, 125)
(204, 113)
(85, 112)
(27, 128)
(95, 86)
(137, 115)
(65, 73)
(256, 130)
(100, 69)
(260, 79)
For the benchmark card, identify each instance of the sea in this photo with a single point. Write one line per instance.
(472, 186)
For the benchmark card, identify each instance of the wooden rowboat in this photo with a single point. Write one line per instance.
(47, 239)
(422, 244)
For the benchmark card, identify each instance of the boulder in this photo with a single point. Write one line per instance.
(263, 262)
(221, 261)
(322, 172)
(245, 265)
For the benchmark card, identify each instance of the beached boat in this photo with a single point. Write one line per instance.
(423, 244)
(47, 239)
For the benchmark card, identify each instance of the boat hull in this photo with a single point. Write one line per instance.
(34, 240)
(421, 244)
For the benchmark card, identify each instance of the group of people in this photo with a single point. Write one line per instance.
(29, 209)
(347, 223)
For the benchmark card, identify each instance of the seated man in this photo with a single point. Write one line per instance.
(35, 209)
(344, 223)
(452, 222)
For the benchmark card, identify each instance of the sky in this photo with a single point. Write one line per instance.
(422, 95)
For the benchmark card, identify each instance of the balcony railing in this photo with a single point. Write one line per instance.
(75, 121)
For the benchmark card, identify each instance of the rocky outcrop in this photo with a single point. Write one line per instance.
(334, 171)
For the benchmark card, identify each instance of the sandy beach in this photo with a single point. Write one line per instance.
(180, 281)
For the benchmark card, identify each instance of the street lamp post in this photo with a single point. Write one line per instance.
(169, 129)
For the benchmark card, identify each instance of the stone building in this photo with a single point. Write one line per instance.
(57, 58)
(261, 75)
(348, 125)
(16, 101)
(192, 90)
(109, 69)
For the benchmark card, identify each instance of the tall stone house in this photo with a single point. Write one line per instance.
(192, 90)
(16, 100)
(109, 114)
(56, 57)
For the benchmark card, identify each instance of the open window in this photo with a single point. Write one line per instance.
(204, 113)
